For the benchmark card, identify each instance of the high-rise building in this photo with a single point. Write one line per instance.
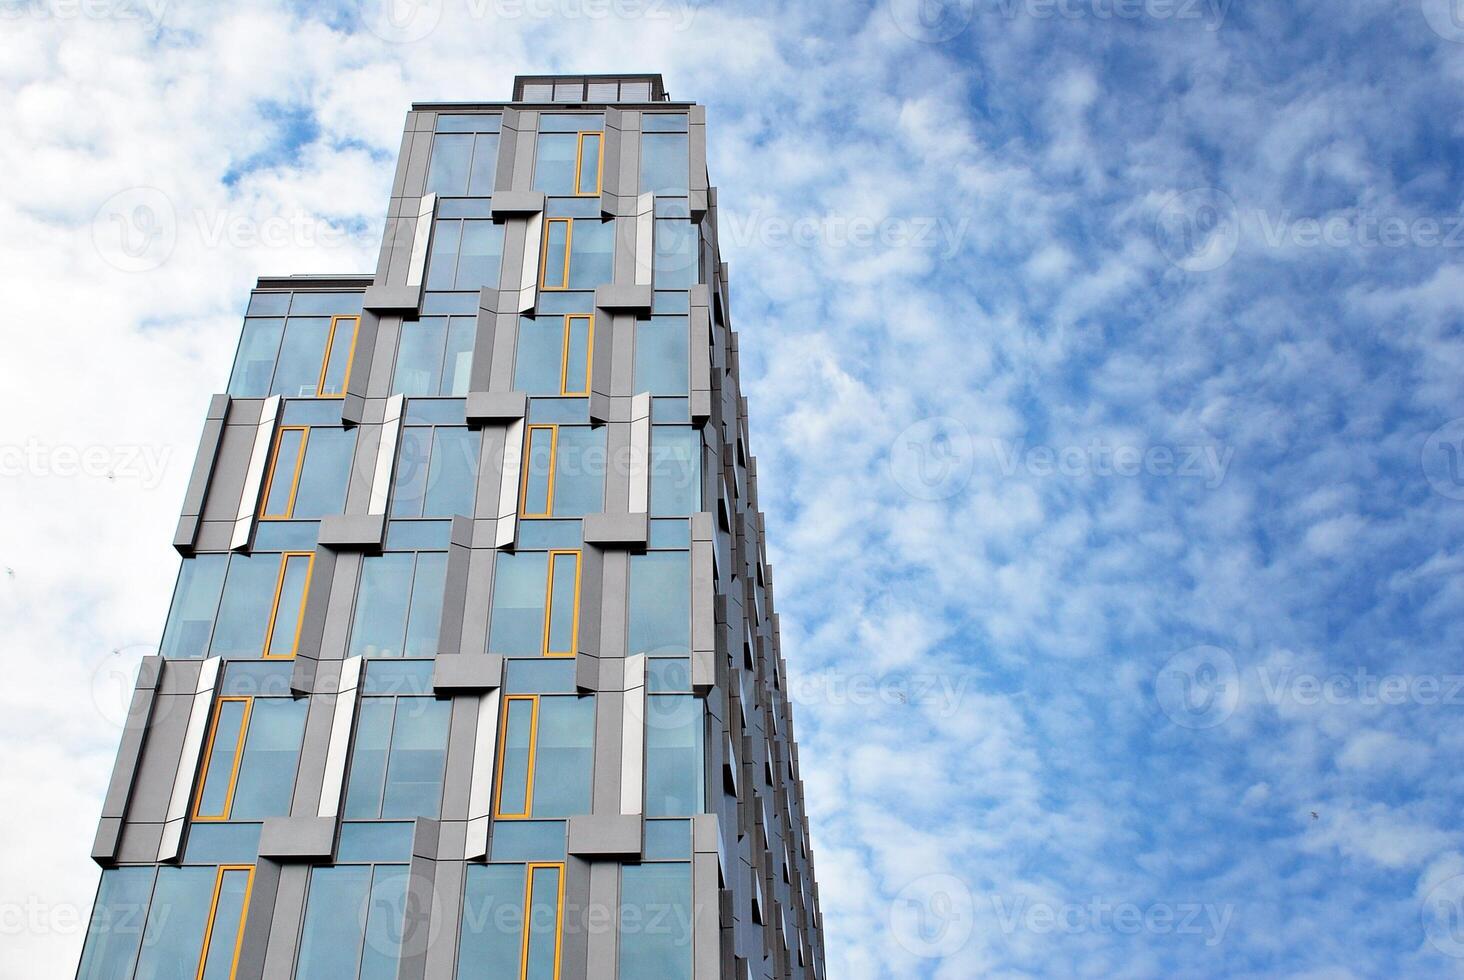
(472, 669)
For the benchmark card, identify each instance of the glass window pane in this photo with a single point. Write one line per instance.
(453, 477)
(418, 752)
(655, 921)
(674, 264)
(325, 304)
(571, 122)
(375, 842)
(662, 355)
(254, 363)
(330, 944)
(368, 759)
(593, 260)
(539, 355)
(668, 675)
(410, 677)
(338, 359)
(589, 164)
(115, 929)
(447, 173)
(284, 634)
(563, 604)
(443, 261)
(173, 938)
(284, 465)
(660, 603)
(673, 755)
(325, 474)
(419, 356)
(228, 728)
(538, 467)
(663, 122)
(517, 626)
(675, 470)
(268, 304)
(577, 355)
(301, 354)
(635, 91)
(485, 164)
(222, 843)
(579, 471)
(564, 756)
(554, 163)
(528, 840)
(539, 677)
(518, 728)
(492, 933)
(664, 166)
(425, 618)
(457, 363)
(223, 938)
(482, 254)
(668, 839)
(409, 483)
(381, 606)
(195, 600)
(271, 750)
(556, 244)
(244, 610)
(544, 924)
(538, 92)
(385, 918)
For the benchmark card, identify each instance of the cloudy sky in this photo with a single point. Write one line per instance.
(1099, 359)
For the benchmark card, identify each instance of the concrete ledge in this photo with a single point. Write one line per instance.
(298, 838)
(496, 406)
(392, 299)
(606, 835)
(467, 673)
(624, 297)
(617, 530)
(507, 204)
(353, 532)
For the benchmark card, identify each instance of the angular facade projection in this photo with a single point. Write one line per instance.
(472, 669)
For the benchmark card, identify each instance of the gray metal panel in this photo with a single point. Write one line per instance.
(624, 296)
(485, 336)
(603, 946)
(314, 749)
(358, 386)
(152, 786)
(606, 835)
(353, 532)
(490, 407)
(617, 530)
(505, 347)
(455, 594)
(129, 756)
(289, 913)
(447, 890)
(697, 162)
(231, 464)
(420, 920)
(298, 838)
(457, 783)
(513, 204)
(474, 672)
(312, 625)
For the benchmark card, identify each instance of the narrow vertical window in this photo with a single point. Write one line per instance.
(282, 639)
(579, 334)
(335, 369)
(284, 472)
(537, 494)
(221, 763)
(554, 265)
(656, 921)
(561, 625)
(250, 759)
(224, 936)
(591, 147)
(544, 906)
(546, 756)
(516, 759)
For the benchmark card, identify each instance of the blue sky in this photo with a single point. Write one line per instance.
(1103, 363)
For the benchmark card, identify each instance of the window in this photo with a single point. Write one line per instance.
(663, 355)
(578, 253)
(305, 354)
(673, 777)
(185, 922)
(513, 920)
(399, 605)
(535, 604)
(195, 601)
(436, 471)
(659, 619)
(308, 472)
(287, 613)
(546, 756)
(569, 159)
(466, 254)
(398, 758)
(555, 354)
(674, 264)
(675, 470)
(115, 931)
(563, 471)
(664, 166)
(260, 611)
(463, 163)
(250, 757)
(656, 921)
(435, 356)
(333, 943)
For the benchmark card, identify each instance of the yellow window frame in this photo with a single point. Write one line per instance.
(579, 153)
(569, 319)
(330, 348)
(213, 911)
(274, 611)
(549, 605)
(529, 870)
(213, 734)
(544, 253)
(498, 812)
(527, 465)
(272, 475)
